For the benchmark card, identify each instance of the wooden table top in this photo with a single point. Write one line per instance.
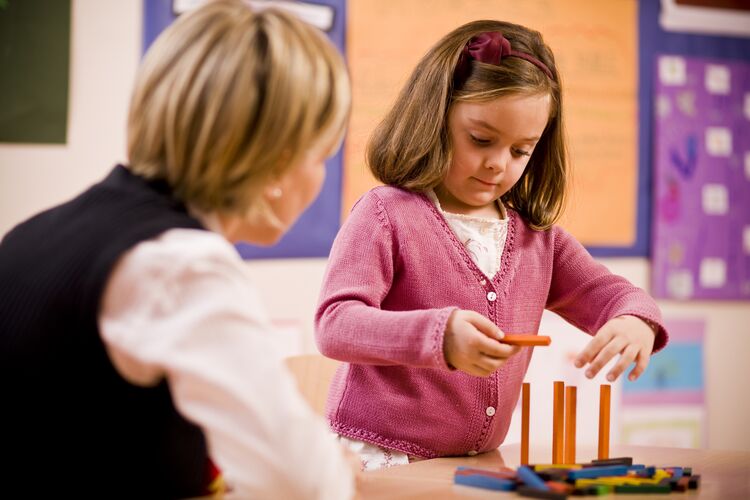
(724, 474)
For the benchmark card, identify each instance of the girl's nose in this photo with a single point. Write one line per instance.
(497, 161)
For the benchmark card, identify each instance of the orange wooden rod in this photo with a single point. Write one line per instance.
(570, 425)
(525, 339)
(525, 408)
(558, 422)
(604, 402)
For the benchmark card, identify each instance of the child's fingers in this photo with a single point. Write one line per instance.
(627, 357)
(493, 362)
(613, 347)
(487, 365)
(592, 348)
(495, 349)
(484, 325)
(479, 371)
(641, 362)
(505, 350)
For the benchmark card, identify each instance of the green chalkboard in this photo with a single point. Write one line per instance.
(34, 62)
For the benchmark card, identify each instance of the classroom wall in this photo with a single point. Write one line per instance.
(105, 49)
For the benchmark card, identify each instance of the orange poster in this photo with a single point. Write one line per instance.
(595, 46)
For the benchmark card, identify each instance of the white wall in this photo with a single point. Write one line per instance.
(105, 48)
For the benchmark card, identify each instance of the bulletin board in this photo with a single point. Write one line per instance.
(596, 48)
(700, 210)
(313, 234)
(34, 57)
(701, 236)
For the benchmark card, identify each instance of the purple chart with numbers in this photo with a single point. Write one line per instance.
(701, 230)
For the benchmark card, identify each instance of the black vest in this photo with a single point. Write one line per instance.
(69, 422)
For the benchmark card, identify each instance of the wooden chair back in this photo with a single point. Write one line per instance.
(313, 373)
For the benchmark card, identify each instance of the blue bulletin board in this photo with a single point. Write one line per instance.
(315, 230)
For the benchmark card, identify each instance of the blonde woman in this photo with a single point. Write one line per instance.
(130, 335)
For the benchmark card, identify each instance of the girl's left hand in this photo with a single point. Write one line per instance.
(630, 337)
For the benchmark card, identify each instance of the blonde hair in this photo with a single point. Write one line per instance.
(411, 147)
(228, 99)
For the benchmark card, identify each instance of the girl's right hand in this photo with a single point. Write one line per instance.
(471, 344)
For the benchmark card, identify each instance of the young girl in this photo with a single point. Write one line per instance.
(429, 271)
(132, 345)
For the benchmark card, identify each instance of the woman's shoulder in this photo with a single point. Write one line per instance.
(192, 243)
(158, 275)
(179, 250)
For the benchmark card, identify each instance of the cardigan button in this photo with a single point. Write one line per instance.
(491, 296)
(490, 411)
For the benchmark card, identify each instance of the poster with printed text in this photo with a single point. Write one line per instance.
(701, 230)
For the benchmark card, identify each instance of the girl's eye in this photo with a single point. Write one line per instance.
(479, 140)
(521, 152)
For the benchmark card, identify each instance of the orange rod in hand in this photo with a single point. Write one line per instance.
(604, 400)
(525, 406)
(558, 418)
(525, 339)
(570, 425)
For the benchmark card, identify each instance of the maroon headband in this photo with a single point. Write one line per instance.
(490, 47)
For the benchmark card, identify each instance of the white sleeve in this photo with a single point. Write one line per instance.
(182, 307)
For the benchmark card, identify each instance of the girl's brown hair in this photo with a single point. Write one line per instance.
(411, 147)
(228, 99)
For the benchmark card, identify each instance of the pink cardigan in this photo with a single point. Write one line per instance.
(395, 273)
